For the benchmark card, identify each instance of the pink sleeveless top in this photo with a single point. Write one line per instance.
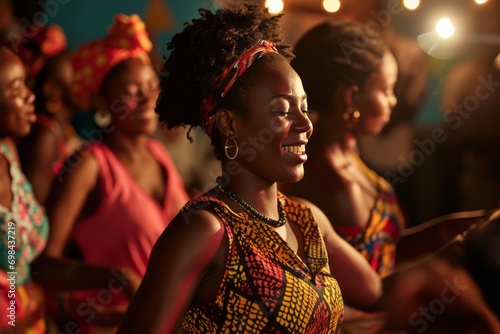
(123, 230)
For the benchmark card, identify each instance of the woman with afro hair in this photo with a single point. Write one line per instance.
(243, 258)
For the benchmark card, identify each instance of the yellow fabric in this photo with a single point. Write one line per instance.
(266, 287)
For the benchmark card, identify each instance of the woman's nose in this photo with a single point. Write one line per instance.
(303, 124)
(29, 96)
(146, 95)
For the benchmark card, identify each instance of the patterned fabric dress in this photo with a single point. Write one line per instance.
(377, 241)
(23, 234)
(266, 287)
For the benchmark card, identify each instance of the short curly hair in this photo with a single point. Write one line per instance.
(336, 53)
(199, 53)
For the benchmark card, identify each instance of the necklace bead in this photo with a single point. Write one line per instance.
(251, 210)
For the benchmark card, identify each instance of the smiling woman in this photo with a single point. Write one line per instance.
(113, 198)
(23, 224)
(243, 257)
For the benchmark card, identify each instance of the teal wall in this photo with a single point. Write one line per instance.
(84, 20)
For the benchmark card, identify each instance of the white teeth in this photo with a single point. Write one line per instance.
(299, 149)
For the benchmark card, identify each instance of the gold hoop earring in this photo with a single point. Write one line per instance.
(102, 118)
(351, 117)
(226, 147)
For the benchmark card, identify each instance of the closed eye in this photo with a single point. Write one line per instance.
(281, 113)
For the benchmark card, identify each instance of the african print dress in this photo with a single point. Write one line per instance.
(266, 287)
(377, 240)
(23, 235)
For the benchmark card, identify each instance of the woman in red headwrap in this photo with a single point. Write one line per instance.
(110, 200)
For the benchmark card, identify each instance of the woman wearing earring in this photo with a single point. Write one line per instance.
(23, 224)
(243, 258)
(52, 138)
(111, 199)
(349, 76)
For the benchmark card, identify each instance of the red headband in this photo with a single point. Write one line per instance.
(224, 81)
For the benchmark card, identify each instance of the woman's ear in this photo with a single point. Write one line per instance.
(348, 95)
(224, 119)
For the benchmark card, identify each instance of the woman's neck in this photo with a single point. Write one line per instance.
(124, 144)
(259, 193)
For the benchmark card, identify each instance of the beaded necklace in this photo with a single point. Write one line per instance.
(251, 210)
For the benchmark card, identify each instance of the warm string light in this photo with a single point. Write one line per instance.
(331, 6)
(411, 4)
(480, 2)
(274, 6)
(445, 28)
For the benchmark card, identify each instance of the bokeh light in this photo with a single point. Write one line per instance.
(274, 6)
(411, 4)
(331, 6)
(445, 28)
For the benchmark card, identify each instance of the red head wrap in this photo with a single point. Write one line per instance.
(127, 39)
(45, 42)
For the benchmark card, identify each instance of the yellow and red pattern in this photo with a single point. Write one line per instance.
(127, 38)
(267, 287)
(377, 241)
(222, 83)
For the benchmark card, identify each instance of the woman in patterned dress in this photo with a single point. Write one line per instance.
(23, 224)
(243, 258)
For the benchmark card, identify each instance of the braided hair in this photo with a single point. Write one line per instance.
(199, 53)
(333, 54)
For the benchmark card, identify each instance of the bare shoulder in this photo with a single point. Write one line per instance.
(81, 164)
(192, 227)
(11, 146)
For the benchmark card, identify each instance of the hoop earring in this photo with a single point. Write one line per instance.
(102, 118)
(351, 117)
(226, 146)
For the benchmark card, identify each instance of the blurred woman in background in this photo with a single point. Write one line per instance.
(113, 198)
(349, 76)
(23, 224)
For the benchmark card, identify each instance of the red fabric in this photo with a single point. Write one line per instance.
(123, 230)
(46, 41)
(226, 79)
(92, 61)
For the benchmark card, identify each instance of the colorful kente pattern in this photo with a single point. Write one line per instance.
(377, 241)
(266, 287)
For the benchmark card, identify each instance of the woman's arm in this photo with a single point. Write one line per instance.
(360, 285)
(183, 255)
(66, 200)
